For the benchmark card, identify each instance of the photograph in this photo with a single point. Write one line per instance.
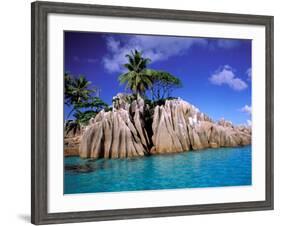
(150, 112)
(140, 112)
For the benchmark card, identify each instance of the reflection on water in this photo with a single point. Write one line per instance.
(206, 168)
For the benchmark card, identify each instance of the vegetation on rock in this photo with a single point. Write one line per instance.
(139, 79)
(149, 120)
(80, 97)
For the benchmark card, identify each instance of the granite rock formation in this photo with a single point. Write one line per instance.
(71, 145)
(118, 133)
(176, 126)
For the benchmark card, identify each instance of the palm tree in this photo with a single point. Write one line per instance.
(138, 77)
(76, 91)
(94, 103)
(74, 125)
(79, 90)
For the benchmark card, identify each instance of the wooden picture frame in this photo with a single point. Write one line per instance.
(39, 200)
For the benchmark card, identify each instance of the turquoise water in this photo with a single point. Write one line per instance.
(193, 169)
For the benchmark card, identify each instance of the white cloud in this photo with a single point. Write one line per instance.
(112, 44)
(249, 73)
(247, 109)
(156, 48)
(249, 122)
(225, 76)
(226, 44)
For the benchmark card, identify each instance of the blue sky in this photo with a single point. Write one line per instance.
(216, 73)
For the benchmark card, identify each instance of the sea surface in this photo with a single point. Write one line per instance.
(192, 169)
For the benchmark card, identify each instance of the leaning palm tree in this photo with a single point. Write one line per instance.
(138, 78)
(77, 91)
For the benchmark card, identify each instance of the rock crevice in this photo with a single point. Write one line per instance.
(176, 126)
(116, 134)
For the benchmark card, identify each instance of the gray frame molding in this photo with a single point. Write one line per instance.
(39, 192)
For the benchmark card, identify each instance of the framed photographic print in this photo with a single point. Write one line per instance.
(140, 112)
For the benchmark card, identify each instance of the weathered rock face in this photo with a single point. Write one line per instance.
(179, 126)
(176, 126)
(71, 145)
(210, 135)
(170, 131)
(116, 134)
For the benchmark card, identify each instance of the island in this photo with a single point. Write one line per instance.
(145, 112)
(135, 128)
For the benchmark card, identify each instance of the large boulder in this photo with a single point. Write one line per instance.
(176, 126)
(170, 132)
(179, 126)
(116, 134)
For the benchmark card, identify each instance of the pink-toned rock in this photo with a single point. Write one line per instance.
(169, 127)
(179, 126)
(176, 126)
(115, 134)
